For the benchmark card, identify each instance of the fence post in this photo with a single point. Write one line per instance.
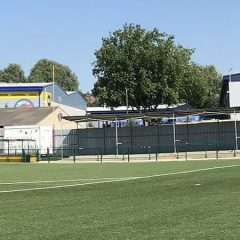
(48, 155)
(217, 139)
(101, 158)
(206, 149)
(37, 155)
(74, 155)
(23, 155)
(156, 157)
(104, 139)
(128, 155)
(149, 152)
(186, 151)
(8, 147)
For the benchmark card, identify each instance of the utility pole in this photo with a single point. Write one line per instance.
(127, 99)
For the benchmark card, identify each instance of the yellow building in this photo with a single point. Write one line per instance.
(28, 95)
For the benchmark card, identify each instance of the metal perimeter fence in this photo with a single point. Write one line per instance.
(202, 140)
(149, 153)
(163, 138)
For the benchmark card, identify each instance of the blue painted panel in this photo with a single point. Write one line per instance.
(73, 100)
(22, 88)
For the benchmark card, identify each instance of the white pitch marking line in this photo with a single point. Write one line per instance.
(117, 180)
(56, 181)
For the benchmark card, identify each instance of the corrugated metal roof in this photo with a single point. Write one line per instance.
(23, 116)
(154, 114)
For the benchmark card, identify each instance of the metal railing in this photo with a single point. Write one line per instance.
(184, 151)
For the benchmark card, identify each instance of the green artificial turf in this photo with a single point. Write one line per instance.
(197, 205)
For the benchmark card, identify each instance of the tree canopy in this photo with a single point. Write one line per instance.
(43, 72)
(13, 73)
(201, 87)
(153, 68)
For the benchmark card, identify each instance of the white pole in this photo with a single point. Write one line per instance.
(61, 140)
(116, 137)
(53, 78)
(39, 139)
(174, 134)
(235, 130)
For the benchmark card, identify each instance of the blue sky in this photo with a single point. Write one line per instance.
(69, 31)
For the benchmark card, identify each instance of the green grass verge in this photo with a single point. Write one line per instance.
(168, 207)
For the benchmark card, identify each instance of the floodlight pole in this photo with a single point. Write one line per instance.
(174, 134)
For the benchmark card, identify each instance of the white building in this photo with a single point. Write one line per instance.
(230, 93)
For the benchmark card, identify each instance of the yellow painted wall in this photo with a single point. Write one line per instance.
(17, 95)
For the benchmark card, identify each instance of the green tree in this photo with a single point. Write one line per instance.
(201, 86)
(43, 72)
(214, 80)
(148, 63)
(13, 73)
